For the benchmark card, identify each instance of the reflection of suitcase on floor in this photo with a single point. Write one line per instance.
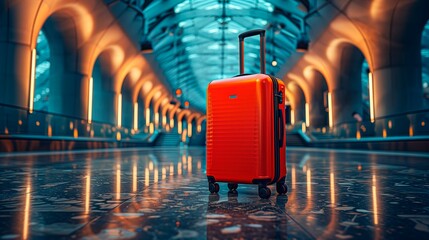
(246, 128)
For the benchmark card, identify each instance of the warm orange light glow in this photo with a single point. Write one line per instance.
(136, 116)
(303, 127)
(147, 117)
(118, 181)
(87, 191)
(178, 92)
(172, 122)
(32, 81)
(119, 110)
(155, 175)
(384, 133)
(411, 130)
(374, 198)
(357, 134)
(118, 136)
(164, 120)
(332, 187)
(184, 135)
(371, 97)
(164, 173)
(171, 169)
(49, 131)
(189, 164)
(389, 124)
(146, 177)
(189, 129)
(151, 165)
(376, 8)
(199, 128)
(86, 24)
(118, 56)
(26, 222)
(292, 117)
(307, 114)
(293, 177)
(134, 176)
(75, 133)
(147, 86)
(179, 127)
(186, 104)
(157, 94)
(71, 126)
(199, 164)
(179, 168)
(135, 74)
(151, 128)
(308, 182)
(330, 113)
(90, 93)
(156, 118)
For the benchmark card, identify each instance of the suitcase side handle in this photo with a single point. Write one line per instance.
(241, 37)
(282, 128)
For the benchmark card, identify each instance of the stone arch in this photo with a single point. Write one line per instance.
(68, 85)
(318, 98)
(73, 18)
(200, 121)
(302, 83)
(105, 96)
(150, 99)
(299, 101)
(180, 121)
(165, 108)
(156, 107)
(173, 112)
(192, 120)
(128, 96)
(346, 86)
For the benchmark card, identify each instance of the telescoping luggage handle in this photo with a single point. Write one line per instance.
(241, 37)
(261, 33)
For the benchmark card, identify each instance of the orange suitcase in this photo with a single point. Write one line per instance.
(246, 139)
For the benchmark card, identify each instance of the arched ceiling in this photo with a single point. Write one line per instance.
(195, 41)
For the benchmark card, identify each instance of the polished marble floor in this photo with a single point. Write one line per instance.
(161, 193)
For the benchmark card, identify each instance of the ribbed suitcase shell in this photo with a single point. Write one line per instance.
(240, 130)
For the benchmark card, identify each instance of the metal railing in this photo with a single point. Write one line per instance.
(409, 124)
(19, 121)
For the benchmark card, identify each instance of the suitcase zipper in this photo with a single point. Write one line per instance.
(277, 100)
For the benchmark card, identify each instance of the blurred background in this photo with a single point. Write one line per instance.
(121, 73)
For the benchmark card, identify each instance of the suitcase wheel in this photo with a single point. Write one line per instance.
(281, 188)
(264, 192)
(213, 187)
(232, 186)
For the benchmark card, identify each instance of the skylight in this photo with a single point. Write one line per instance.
(207, 32)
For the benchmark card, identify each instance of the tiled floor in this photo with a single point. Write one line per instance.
(162, 194)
